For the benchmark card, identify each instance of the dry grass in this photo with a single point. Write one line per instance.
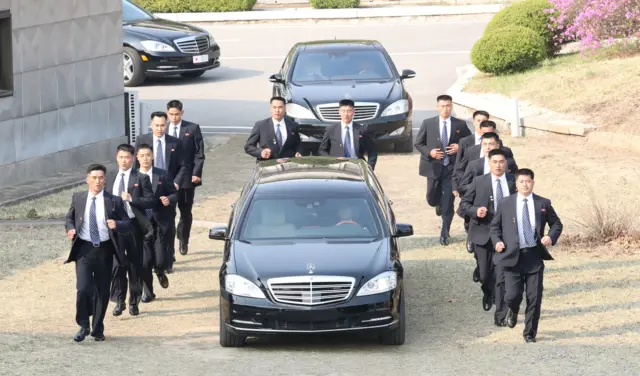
(605, 91)
(52, 206)
(27, 246)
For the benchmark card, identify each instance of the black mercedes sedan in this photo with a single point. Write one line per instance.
(311, 247)
(316, 75)
(157, 47)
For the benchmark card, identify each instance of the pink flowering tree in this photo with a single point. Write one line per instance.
(592, 22)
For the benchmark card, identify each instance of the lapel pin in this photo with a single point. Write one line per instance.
(172, 149)
(514, 219)
(186, 134)
(135, 185)
(543, 210)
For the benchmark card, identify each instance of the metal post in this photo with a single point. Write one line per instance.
(515, 119)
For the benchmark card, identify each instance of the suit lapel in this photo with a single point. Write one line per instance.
(183, 129)
(132, 179)
(107, 205)
(356, 138)
(167, 152)
(154, 179)
(271, 136)
(537, 212)
(111, 179)
(82, 207)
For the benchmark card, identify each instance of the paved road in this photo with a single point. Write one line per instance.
(232, 97)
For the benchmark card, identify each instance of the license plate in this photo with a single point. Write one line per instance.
(200, 59)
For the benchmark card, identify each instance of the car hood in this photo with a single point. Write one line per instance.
(358, 260)
(160, 28)
(360, 91)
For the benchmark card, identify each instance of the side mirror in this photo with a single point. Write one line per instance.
(218, 233)
(276, 78)
(403, 229)
(407, 73)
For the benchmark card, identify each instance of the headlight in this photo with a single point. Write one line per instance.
(298, 112)
(153, 46)
(237, 285)
(397, 108)
(211, 40)
(383, 282)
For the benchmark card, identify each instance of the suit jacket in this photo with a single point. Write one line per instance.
(331, 144)
(428, 138)
(473, 153)
(141, 191)
(476, 168)
(113, 209)
(192, 152)
(504, 228)
(173, 156)
(163, 186)
(263, 136)
(480, 194)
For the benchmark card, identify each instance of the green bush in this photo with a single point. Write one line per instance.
(528, 13)
(510, 49)
(195, 6)
(333, 4)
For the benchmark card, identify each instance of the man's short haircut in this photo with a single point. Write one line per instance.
(346, 103)
(492, 135)
(278, 98)
(161, 114)
(497, 152)
(444, 97)
(525, 172)
(488, 124)
(96, 167)
(145, 146)
(480, 112)
(126, 147)
(174, 104)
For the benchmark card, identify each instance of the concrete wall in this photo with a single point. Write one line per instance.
(67, 107)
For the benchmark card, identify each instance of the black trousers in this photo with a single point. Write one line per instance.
(501, 306)
(440, 193)
(133, 244)
(156, 254)
(93, 277)
(185, 205)
(484, 256)
(526, 277)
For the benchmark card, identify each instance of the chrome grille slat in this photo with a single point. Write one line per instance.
(193, 45)
(330, 112)
(311, 290)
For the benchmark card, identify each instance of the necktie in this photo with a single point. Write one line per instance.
(527, 231)
(499, 195)
(121, 187)
(444, 140)
(159, 155)
(93, 224)
(149, 213)
(347, 143)
(278, 136)
(174, 131)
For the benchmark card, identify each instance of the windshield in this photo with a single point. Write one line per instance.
(278, 217)
(130, 12)
(359, 65)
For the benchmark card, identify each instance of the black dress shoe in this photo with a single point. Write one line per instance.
(486, 302)
(98, 337)
(529, 338)
(512, 319)
(438, 210)
(476, 275)
(164, 281)
(81, 334)
(184, 248)
(499, 323)
(148, 298)
(120, 307)
(469, 247)
(133, 310)
(444, 241)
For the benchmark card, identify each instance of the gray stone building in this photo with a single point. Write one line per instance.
(61, 87)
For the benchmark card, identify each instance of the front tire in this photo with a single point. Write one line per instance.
(228, 339)
(133, 71)
(395, 337)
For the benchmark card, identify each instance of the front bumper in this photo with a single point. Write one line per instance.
(172, 63)
(248, 316)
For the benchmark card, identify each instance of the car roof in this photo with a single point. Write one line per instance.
(339, 44)
(312, 174)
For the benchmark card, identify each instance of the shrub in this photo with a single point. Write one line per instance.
(533, 14)
(195, 6)
(508, 50)
(594, 21)
(334, 4)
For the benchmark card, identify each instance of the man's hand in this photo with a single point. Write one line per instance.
(481, 212)
(71, 233)
(500, 247)
(266, 153)
(455, 194)
(195, 179)
(176, 185)
(164, 200)
(452, 149)
(546, 241)
(298, 155)
(126, 196)
(111, 224)
(436, 154)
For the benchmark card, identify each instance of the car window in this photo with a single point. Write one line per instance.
(339, 65)
(278, 217)
(130, 12)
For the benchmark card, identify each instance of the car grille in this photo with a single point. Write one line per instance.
(363, 111)
(311, 290)
(193, 45)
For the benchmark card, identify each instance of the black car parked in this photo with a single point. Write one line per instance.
(311, 247)
(316, 75)
(157, 47)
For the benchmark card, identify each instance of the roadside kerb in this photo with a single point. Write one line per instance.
(301, 14)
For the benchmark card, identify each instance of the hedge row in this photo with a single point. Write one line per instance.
(334, 4)
(195, 6)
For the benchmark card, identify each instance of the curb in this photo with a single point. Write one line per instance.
(277, 15)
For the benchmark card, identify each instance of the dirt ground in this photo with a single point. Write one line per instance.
(589, 323)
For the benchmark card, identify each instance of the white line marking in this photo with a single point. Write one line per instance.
(223, 127)
(391, 53)
(304, 24)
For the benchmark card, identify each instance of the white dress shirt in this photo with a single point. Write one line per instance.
(487, 168)
(532, 215)
(344, 137)
(116, 188)
(177, 128)
(478, 139)
(505, 188)
(283, 129)
(448, 120)
(101, 219)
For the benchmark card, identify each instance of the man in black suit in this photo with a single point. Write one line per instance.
(92, 224)
(162, 216)
(193, 157)
(480, 202)
(275, 137)
(472, 139)
(348, 139)
(437, 141)
(136, 191)
(517, 231)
